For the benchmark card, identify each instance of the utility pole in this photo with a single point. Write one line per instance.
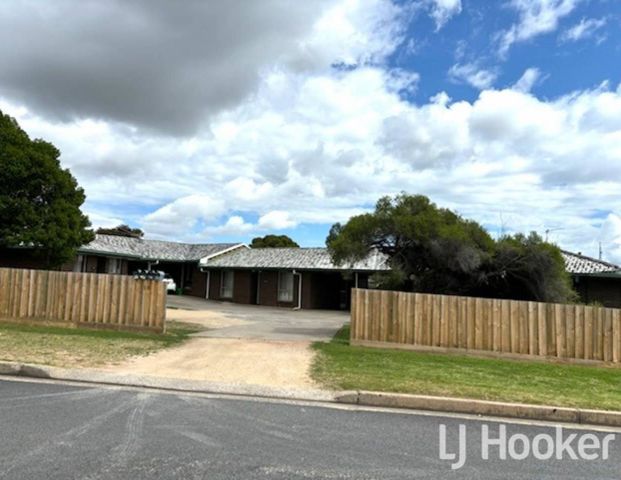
(601, 253)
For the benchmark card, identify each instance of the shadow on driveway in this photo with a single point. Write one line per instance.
(231, 320)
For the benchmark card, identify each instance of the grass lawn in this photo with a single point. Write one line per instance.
(67, 347)
(340, 366)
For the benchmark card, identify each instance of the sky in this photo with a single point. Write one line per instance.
(224, 120)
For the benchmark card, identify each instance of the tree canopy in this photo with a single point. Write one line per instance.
(434, 250)
(122, 231)
(273, 241)
(39, 200)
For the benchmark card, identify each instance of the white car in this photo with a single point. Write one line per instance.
(171, 286)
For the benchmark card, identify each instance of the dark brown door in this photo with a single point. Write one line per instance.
(254, 288)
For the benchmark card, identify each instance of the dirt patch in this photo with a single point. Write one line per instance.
(256, 362)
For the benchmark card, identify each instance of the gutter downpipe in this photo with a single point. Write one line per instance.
(299, 274)
(208, 281)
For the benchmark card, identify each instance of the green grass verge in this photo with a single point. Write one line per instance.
(341, 366)
(73, 347)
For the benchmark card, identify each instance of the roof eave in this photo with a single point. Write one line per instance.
(615, 274)
(301, 269)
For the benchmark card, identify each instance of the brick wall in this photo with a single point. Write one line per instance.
(199, 284)
(327, 290)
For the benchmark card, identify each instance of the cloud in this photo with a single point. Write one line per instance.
(528, 80)
(183, 213)
(234, 226)
(168, 67)
(473, 75)
(237, 226)
(536, 17)
(443, 10)
(610, 238)
(585, 29)
(311, 146)
(276, 220)
(341, 141)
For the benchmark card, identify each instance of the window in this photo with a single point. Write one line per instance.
(113, 266)
(285, 286)
(78, 266)
(226, 284)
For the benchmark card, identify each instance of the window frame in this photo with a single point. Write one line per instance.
(223, 287)
(288, 290)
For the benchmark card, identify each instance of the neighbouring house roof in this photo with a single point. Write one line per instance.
(578, 264)
(143, 249)
(292, 259)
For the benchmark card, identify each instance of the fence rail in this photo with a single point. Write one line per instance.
(82, 299)
(384, 318)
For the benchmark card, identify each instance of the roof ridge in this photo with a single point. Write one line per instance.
(596, 260)
(175, 242)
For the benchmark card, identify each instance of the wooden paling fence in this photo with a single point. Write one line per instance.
(507, 327)
(117, 302)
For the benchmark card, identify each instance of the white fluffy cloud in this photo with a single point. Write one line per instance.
(610, 237)
(276, 220)
(584, 29)
(528, 80)
(443, 10)
(536, 17)
(237, 226)
(317, 145)
(318, 149)
(183, 213)
(473, 75)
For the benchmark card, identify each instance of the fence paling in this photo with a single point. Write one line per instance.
(109, 301)
(495, 325)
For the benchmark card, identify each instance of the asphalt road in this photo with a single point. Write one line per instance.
(56, 431)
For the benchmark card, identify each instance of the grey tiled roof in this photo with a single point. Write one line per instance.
(292, 258)
(143, 249)
(580, 264)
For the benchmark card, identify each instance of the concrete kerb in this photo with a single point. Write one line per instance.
(484, 408)
(362, 398)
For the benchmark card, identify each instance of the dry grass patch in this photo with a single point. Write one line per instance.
(67, 347)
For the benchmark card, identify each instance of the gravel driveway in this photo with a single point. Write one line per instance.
(242, 344)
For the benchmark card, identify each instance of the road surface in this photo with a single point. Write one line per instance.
(59, 431)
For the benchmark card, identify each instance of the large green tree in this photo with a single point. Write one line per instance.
(39, 200)
(273, 241)
(431, 249)
(434, 250)
(527, 267)
(122, 231)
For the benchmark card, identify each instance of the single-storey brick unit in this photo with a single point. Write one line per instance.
(125, 255)
(595, 281)
(287, 277)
